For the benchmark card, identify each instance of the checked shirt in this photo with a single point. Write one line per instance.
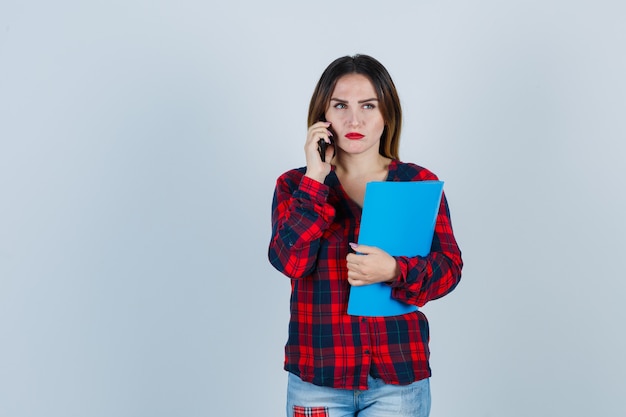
(312, 225)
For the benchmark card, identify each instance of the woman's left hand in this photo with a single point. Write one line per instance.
(370, 265)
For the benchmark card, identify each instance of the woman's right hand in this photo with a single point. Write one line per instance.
(315, 167)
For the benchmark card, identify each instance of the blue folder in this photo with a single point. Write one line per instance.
(399, 218)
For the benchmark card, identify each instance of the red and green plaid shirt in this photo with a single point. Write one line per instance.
(312, 225)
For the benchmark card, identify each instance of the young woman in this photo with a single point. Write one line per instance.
(339, 364)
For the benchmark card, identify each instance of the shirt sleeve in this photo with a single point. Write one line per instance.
(427, 278)
(300, 214)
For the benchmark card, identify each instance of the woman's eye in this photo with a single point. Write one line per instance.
(369, 106)
(340, 106)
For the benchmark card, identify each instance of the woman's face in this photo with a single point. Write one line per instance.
(355, 115)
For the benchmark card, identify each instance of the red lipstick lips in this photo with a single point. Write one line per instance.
(354, 135)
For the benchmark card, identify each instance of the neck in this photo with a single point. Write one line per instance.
(361, 165)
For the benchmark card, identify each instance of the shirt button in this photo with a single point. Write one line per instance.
(367, 351)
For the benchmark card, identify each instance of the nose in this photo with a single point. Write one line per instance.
(354, 119)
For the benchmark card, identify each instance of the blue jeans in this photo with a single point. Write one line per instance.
(379, 400)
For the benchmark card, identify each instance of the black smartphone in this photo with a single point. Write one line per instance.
(322, 145)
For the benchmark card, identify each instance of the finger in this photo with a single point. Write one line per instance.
(358, 270)
(354, 247)
(320, 126)
(356, 262)
(312, 141)
(355, 281)
(353, 269)
(325, 125)
(363, 249)
(315, 136)
(320, 130)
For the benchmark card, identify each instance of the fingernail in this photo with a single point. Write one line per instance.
(353, 245)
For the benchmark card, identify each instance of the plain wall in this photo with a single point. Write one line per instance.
(139, 146)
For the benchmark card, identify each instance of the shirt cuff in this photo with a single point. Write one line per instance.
(317, 191)
(418, 264)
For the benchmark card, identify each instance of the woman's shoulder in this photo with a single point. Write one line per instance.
(409, 171)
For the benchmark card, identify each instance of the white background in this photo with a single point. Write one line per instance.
(139, 145)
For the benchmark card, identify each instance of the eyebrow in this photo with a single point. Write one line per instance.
(360, 102)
